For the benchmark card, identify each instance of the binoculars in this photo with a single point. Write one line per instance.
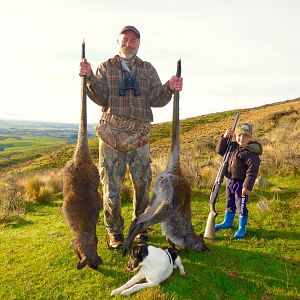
(129, 83)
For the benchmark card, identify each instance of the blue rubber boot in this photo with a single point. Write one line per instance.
(240, 234)
(228, 221)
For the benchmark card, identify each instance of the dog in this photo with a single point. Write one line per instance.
(156, 265)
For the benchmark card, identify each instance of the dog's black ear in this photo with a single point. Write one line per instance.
(142, 243)
(145, 250)
(140, 251)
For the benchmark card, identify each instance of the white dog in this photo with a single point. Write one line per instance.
(156, 264)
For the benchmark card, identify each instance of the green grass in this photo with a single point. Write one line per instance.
(30, 142)
(37, 261)
(30, 153)
(20, 149)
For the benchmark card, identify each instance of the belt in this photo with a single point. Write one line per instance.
(125, 122)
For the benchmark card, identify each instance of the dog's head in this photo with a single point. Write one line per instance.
(137, 255)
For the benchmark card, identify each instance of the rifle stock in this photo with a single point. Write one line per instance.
(210, 232)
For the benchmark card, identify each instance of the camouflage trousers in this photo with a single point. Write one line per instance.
(112, 168)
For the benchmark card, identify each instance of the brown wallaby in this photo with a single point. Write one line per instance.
(81, 200)
(171, 201)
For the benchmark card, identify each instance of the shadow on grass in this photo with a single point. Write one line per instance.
(274, 234)
(282, 194)
(227, 235)
(41, 208)
(227, 273)
(19, 223)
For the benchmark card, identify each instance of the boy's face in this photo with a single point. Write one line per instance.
(242, 139)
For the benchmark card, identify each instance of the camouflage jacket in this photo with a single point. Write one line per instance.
(243, 162)
(103, 89)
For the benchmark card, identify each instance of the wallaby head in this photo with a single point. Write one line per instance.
(88, 257)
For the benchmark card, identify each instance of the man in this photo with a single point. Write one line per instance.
(126, 88)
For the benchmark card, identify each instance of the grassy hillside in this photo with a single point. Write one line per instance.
(37, 262)
(21, 149)
(272, 125)
(22, 142)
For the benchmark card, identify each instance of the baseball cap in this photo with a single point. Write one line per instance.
(131, 28)
(244, 128)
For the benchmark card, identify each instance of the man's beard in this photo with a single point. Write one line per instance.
(128, 53)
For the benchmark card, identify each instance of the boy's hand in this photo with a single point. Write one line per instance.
(245, 192)
(229, 132)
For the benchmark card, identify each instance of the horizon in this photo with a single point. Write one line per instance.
(93, 123)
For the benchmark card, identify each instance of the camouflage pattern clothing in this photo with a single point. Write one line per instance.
(104, 89)
(112, 167)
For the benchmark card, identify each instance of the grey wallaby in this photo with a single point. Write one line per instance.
(171, 201)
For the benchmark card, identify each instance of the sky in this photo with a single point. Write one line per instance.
(235, 53)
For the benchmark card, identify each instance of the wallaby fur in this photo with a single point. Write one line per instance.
(171, 201)
(81, 200)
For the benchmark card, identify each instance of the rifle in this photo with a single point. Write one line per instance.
(210, 224)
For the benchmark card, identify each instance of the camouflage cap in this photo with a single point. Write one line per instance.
(131, 28)
(245, 129)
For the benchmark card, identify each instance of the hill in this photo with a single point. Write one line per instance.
(273, 124)
(37, 260)
(24, 141)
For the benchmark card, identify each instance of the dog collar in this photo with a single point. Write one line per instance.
(169, 255)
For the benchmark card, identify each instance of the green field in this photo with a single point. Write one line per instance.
(11, 144)
(17, 149)
(36, 258)
(37, 261)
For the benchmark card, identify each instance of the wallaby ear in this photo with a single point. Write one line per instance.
(82, 263)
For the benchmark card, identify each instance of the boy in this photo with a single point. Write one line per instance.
(243, 166)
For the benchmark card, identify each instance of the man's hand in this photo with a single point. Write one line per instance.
(85, 68)
(175, 83)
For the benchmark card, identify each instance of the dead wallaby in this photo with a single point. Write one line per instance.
(82, 202)
(171, 201)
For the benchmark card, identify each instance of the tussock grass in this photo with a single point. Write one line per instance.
(18, 189)
(53, 180)
(36, 190)
(42, 187)
(11, 203)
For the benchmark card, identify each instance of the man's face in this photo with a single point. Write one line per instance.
(242, 139)
(128, 44)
